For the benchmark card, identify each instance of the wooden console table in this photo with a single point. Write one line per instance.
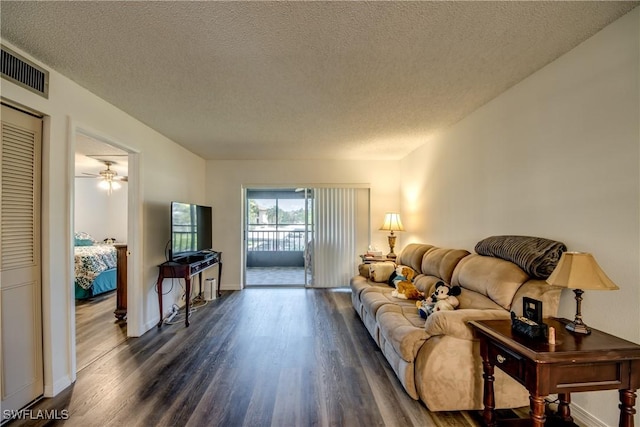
(121, 282)
(371, 260)
(186, 270)
(576, 363)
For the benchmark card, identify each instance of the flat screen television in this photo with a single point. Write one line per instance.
(191, 230)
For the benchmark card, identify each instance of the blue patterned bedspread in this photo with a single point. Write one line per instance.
(90, 261)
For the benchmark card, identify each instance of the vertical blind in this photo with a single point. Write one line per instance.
(334, 237)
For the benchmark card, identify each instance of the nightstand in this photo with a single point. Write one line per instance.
(576, 363)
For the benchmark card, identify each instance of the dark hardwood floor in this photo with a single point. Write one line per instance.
(97, 329)
(258, 357)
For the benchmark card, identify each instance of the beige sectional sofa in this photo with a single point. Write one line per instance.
(438, 360)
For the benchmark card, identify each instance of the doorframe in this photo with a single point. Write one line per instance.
(134, 233)
(245, 218)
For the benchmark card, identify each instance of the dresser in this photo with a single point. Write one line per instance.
(121, 282)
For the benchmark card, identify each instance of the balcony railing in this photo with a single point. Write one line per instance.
(271, 241)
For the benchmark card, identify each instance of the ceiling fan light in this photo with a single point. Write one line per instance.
(115, 185)
(104, 185)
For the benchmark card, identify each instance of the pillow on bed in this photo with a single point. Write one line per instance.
(83, 239)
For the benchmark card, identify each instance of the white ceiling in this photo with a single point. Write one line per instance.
(91, 155)
(300, 80)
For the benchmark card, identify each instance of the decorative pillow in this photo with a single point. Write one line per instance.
(83, 239)
(381, 271)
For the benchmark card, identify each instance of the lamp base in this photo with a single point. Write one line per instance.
(392, 244)
(578, 328)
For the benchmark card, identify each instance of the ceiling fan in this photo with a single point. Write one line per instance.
(108, 177)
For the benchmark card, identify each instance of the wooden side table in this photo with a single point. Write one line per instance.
(372, 259)
(576, 363)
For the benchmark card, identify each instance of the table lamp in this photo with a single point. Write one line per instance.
(579, 271)
(392, 223)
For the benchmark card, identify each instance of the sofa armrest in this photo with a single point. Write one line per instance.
(541, 291)
(455, 323)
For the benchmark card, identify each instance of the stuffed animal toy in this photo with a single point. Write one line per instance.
(402, 279)
(401, 273)
(407, 290)
(443, 298)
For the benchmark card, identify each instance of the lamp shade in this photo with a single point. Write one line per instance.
(392, 222)
(579, 270)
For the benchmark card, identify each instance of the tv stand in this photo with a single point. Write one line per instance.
(195, 258)
(186, 268)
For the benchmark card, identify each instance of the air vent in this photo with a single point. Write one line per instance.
(24, 73)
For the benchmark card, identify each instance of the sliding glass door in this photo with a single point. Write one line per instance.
(304, 237)
(276, 230)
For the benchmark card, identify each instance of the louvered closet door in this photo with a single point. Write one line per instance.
(21, 377)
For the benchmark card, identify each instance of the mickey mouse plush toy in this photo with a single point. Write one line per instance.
(443, 298)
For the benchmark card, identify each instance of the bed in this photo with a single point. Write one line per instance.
(95, 268)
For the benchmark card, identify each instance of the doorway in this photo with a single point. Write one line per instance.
(100, 227)
(278, 223)
(304, 236)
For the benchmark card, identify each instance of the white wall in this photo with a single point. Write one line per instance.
(556, 156)
(167, 171)
(225, 180)
(98, 213)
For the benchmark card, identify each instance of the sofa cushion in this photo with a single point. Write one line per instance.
(360, 284)
(440, 262)
(426, 284)
(496, 278)
(374, 298)
(412, 254)
(402, 328)
(473, 299)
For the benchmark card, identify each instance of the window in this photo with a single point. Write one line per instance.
(276, 220)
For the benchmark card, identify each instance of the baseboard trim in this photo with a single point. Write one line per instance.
(57, 387)
(585, 418)
(151, 324)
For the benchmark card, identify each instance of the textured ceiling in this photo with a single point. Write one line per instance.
(300, 80)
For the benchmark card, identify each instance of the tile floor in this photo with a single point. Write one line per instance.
(273, 276)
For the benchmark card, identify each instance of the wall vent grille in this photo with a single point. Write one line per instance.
(15, 68)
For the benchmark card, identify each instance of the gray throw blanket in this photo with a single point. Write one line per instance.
(538, 257)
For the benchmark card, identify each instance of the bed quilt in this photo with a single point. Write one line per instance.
(90, 261)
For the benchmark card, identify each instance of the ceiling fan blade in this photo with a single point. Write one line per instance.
(121, 178)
